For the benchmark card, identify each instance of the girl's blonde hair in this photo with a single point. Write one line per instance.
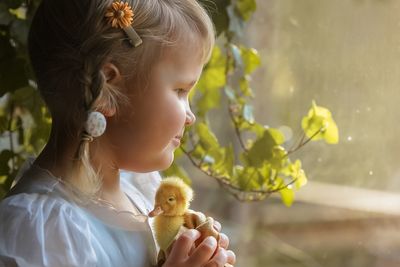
(69, 42)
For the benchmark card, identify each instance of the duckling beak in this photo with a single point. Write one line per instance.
(157, 211)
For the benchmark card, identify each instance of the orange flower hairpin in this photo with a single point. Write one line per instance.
(120, 15)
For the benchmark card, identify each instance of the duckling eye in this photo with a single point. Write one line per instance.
(171, 199)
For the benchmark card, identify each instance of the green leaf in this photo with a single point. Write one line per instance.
(26, 97)
(295, 172)
(207, 138)
(287, 195)
(246, 8)
(331, 132)
(229, 160)
(279, 158)
(218, 13)
(245, 86)
(41, 131)
(215, 70)
(257, 128)
(301, 179)
(299, 173)
(319, 119)
(20, 12)
(251, 59)
(209, 100)
(218, 155)
(237, 173)
(261, 149)
(248, 179)
(199, 152)
(224, 161)
(211, 82)
(277, 135)
(265, 172)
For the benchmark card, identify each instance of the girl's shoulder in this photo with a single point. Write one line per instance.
(39, 227)
(37, 198)
(35, 206)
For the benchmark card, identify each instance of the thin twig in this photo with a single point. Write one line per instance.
(298, 141)
(237, 131)
(224, 181)
(304, 143)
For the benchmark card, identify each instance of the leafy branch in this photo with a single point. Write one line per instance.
(262, 166)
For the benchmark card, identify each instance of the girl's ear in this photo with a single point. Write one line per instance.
(113, 79)
(112, 74)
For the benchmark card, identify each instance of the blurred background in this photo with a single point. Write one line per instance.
(345, 55)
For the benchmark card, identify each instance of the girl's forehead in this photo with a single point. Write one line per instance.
(178, 54)
(181, 62)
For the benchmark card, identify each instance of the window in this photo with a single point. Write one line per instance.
(346, 56)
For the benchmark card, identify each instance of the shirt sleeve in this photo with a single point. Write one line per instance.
(38, 230)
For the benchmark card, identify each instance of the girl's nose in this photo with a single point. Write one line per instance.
(190, 118)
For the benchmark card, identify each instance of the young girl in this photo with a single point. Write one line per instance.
(116, 77)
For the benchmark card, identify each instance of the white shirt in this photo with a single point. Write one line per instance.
(41, 226)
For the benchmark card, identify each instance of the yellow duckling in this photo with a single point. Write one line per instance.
(172, 201)
(171, 212)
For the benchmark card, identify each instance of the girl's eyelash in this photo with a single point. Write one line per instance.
(180, 90)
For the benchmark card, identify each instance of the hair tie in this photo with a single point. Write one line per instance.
(87, 137)
(120, 15)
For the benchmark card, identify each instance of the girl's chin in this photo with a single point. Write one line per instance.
(166, 159)
(159, 162)
(170, 159)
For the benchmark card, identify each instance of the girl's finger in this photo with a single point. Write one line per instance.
(217, 226)
(219, 259)
(223, 240)
(231, 257)
(203, 252)
(183, 245)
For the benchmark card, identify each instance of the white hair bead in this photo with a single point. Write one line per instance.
(95, 124)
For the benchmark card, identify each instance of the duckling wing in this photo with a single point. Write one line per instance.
(166, 228)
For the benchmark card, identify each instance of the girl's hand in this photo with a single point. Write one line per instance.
(205, 255)
(223, 240)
